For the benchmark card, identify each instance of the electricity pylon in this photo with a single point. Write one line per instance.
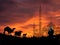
(40, 23)
(38, 32)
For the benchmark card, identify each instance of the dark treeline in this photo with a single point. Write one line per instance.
(14, 40)
(9, 30)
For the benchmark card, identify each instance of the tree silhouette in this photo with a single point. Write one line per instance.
(24, 35)
(50, 32)
(18, 33)
(8, 29)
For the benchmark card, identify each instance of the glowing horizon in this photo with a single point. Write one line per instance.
(21, 14)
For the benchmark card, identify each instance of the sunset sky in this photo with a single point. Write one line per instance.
(21, 14)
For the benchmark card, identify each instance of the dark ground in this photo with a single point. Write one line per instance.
(10, 40)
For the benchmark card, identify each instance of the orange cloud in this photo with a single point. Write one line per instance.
(22, 14)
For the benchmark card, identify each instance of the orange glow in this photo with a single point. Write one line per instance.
(29, 29)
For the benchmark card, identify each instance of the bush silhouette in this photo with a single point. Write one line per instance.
(50, 32)
(8, 29)
(24, 35)
(18, 33)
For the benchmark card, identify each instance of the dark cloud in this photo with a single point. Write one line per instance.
(13, 12)
(4, 4)
(22, 10)
(37, 1)
(46, 1)
(17, 15)
(47, 5)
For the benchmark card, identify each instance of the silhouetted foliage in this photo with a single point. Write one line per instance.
(18, 33)
(51, 32)
(14, 40)
(24, 35)
(8, 29)
(11, 40)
